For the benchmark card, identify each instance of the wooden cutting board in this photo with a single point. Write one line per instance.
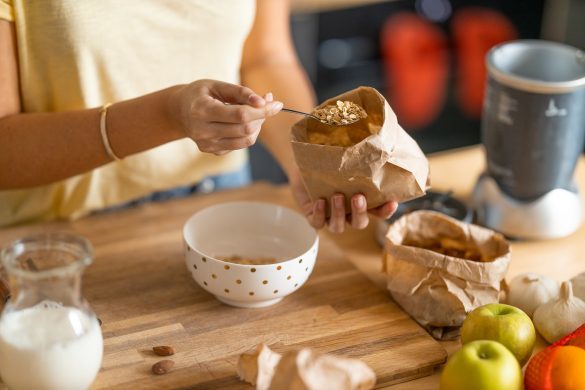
(142, 292)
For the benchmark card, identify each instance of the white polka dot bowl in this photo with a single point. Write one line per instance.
(249, 230)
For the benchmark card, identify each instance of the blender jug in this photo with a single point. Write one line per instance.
(533, 131)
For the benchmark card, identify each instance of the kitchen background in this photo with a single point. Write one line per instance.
(425, 56)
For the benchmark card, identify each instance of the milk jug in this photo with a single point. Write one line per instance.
(49, 337)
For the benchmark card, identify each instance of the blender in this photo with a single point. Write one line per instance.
(533, 132)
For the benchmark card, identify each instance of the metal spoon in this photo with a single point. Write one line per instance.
(349, 121)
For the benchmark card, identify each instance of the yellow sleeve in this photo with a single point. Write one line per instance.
(7, 10)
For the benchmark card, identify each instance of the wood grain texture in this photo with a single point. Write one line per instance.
(141, 290)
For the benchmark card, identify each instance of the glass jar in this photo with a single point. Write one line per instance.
(49, 337)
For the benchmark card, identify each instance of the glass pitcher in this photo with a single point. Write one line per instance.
(49, 337)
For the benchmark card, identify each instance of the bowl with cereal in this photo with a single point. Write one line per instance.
(249, 254)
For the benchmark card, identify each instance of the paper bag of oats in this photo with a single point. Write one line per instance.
(373, 156)
(438, 269)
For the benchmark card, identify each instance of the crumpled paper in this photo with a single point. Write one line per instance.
(385, 164)
(436, 289)
(303, 369)
(257, 367)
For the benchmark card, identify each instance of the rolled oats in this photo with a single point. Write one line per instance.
(341, 113)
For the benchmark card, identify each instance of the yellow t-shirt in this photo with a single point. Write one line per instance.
(76, 54)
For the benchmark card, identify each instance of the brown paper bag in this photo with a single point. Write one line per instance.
(439, 289)
(384, 164)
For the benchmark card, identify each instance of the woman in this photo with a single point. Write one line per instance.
(65, 152)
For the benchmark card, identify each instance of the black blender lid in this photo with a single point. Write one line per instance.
(442, 202)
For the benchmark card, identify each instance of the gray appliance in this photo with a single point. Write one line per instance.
(533, 132)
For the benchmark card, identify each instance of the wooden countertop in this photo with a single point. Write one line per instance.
(454, 170)
(457, 170)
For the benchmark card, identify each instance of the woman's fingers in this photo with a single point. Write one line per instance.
(359, 212)
(384, 211)
(216, 111)
(234, 94)
(219, 116)
(221, 147)
(318, 218)
(237, 104)
(359, 218)
(337, 218)
(218, 131)
(235, 143)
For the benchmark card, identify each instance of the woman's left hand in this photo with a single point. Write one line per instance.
(316, 211)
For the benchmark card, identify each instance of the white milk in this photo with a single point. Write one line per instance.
(49, 346)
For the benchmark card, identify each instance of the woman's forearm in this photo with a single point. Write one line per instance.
(41, 148)
(289, 84)
(270, 64)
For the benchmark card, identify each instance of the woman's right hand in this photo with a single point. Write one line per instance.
(221, 117)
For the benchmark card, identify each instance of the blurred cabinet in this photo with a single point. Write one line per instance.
(341, 49)
(339, 45)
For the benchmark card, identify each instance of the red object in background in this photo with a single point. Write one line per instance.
(416, 66)
(538, 372)
(474, 32)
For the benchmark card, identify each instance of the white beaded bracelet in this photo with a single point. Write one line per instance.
(104, 132)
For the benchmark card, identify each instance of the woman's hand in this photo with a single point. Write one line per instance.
(220, 117)
(315, 211)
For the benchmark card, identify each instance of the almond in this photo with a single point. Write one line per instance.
(163, 350)
(162, 367)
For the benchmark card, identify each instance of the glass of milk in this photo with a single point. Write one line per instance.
(49, 337)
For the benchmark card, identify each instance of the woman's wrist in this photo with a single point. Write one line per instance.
(176, 111)
(142, 123)
(294, 176)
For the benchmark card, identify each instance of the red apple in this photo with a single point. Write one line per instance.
(482, 365)
(505, 324)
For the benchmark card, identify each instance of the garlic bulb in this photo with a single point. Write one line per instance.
(528, 291)
(559, 317)
(579, 285)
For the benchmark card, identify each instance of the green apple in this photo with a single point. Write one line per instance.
(503, 323)
(482, 365)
